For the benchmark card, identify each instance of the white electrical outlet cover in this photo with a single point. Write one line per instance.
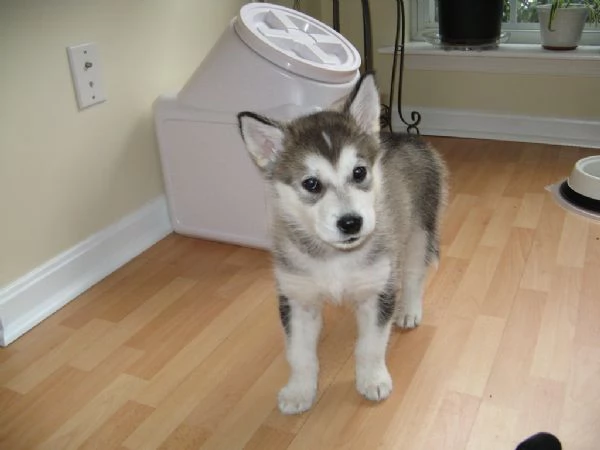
(87, 75)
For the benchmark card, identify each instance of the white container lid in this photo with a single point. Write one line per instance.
(297, 42)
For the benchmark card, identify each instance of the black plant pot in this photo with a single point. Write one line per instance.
(470, 22)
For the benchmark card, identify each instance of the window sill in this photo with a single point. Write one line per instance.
(508, 58)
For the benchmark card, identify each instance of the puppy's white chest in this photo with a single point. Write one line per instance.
(340, 278)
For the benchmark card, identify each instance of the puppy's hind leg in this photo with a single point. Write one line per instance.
(302, 326)
(410, 307)
(374, 323)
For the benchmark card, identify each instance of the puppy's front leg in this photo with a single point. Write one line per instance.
(302, 324)
(374, 318)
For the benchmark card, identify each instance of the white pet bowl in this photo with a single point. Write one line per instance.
(585, 177)
(582, 188)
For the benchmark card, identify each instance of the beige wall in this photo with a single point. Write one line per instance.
(535, 95)
(66, 174)
(528, 95)
(310, 7)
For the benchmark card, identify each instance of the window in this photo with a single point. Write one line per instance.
(519, 18)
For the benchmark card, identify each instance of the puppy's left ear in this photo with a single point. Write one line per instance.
(363, 104)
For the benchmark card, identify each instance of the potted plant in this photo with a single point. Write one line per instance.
(562, 22)
(470, 22)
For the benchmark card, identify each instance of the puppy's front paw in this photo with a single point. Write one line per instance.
(408, 321)
(410, 315)
(297, 397)
(374, 384)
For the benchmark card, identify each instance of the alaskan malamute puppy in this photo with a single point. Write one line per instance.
(355, 217)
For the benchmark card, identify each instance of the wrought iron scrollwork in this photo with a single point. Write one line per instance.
(399, 47)
(415, 116)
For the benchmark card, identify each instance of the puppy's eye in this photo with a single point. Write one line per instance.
(312, 184)
(359, 173)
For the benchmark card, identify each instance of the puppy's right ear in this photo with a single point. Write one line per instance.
(263, 138)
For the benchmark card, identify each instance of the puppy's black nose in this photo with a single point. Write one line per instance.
(349, 224)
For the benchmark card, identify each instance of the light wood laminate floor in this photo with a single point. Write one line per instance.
(182, 348)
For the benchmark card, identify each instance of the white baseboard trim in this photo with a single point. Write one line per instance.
(505, 127)
(40, 293)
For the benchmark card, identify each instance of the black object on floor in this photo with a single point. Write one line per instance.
(540, 441)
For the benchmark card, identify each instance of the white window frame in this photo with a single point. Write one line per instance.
(423, 19)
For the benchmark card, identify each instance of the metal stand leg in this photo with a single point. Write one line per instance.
(336, 15)
(367, 36)
(399, 47)
(414, 115)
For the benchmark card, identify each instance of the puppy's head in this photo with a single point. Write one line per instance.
(324, 167)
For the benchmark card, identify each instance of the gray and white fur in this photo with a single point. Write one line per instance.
(355, 217)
